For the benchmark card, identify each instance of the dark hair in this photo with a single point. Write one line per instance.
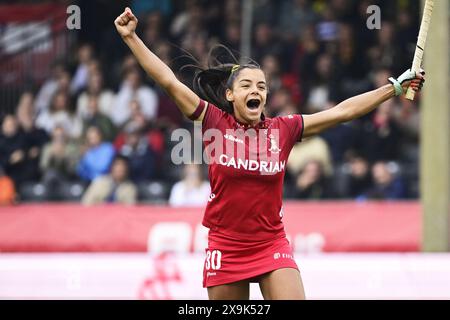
(120, 157)
(123, 159)
(211, 83)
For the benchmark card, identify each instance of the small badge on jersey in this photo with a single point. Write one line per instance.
(273, 145)
(278, 255)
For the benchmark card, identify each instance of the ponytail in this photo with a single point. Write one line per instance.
(211, 83)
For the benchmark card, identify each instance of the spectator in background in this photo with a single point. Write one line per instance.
(59, 80)
(113, 187)
(97, 156)
(232, 11)
(364, 35)
(189, 20)
(311, 149)
(13, 150)
(346, 137)
(96, 118)
(232, 35)
(141, 7)
(358, 179)
(340, 140)
(127, 63)
(295, 15)
(407, 117)
(169, 118)
(379, 138)
(385, 185)
(105, 97)
(350, 60)
(141, 157)
(153, 30)
(311, 183)
(58, 160)
(271, 67)
(35, 138)
(7, 189)
(137, 117)
(307, 49)
(265, 42)
(137, 120)
(152, 133)
(406, 35)
(319, 88)
(60, 114)
(288, 109)
(195, 44)
(278, 100)
(133, 89)
(327, 27)
(265, 11)
(193, 190)
(385, 52)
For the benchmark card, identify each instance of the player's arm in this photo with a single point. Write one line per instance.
(360, 105)
(186, 100)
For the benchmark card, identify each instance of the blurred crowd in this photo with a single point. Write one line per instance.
(100, 126)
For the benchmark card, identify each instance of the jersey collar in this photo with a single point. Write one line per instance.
(263, 124)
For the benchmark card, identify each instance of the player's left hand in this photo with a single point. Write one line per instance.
(409, 78)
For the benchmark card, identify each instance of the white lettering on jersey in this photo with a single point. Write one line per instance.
(252, 165)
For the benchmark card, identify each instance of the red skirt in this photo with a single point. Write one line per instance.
(229, 260)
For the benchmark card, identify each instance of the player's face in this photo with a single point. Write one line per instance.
(248, 95)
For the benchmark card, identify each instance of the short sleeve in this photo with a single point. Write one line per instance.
(212, 116)
(294, 124)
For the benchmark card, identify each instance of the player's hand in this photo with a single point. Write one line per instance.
(126, 23)
(409, 78)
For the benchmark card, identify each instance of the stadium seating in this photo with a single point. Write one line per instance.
(33, 192)
(156, 192)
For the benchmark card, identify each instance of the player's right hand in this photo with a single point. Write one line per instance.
(126, 23)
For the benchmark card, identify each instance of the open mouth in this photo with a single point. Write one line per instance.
(253, 104)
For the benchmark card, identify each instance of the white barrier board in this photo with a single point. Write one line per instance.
(143, 276)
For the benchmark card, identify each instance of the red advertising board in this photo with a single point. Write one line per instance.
(311, 227)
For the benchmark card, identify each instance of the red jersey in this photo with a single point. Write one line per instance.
(246, 171)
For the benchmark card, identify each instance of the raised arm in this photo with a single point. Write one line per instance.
(186, 100)
(360, 105)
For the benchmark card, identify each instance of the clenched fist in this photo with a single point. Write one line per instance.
(126, 23)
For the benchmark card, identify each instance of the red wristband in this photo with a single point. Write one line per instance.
(198, 111)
